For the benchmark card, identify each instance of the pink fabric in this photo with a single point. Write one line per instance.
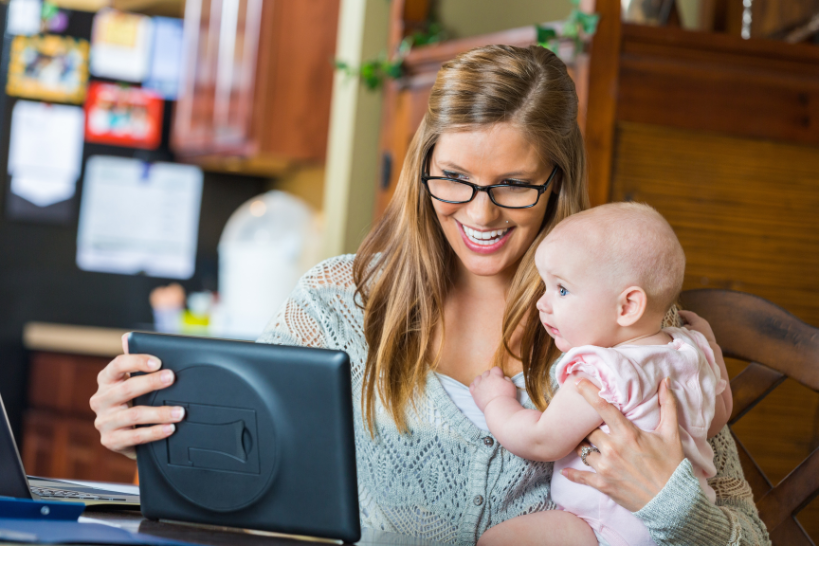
(629, 377)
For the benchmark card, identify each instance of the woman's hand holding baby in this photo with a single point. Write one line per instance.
(490, 385)
(632, 466)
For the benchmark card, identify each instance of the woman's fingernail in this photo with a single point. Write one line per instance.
(168, 429)
(166, 377)
(153, 363)
(177, 413)
(563, 472)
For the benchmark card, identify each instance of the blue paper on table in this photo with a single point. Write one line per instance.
(39, 509)
(31, 521)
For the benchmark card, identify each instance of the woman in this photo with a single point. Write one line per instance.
(446, 284)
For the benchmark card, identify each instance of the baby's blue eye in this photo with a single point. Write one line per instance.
(562, 291)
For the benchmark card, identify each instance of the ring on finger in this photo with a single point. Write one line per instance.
(585, 452)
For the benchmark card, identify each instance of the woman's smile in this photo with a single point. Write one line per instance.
(484, 241)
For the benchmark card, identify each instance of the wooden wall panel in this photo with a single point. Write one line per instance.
(745, 211)
(712, 82)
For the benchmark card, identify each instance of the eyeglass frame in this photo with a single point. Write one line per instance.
(541, 189)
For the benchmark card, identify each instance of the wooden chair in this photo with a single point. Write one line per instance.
(779, 346)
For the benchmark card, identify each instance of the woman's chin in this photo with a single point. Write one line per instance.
(485, 266)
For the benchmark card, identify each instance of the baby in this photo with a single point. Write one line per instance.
(611, 274)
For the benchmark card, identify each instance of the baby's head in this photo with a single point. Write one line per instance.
(611, 273)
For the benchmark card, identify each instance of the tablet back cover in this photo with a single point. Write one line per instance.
(267, 441)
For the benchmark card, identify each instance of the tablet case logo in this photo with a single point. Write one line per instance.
(215, 438)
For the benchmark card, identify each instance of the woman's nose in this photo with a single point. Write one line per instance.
(482, 211)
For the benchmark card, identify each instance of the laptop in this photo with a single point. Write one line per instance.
(14, 482)
(267, 442)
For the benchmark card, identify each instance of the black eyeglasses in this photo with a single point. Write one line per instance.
(510, 196)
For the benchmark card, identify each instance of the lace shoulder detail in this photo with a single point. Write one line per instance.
(332, 274)
(734, 496)
(309, 317)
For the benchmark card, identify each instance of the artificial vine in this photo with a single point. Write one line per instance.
(374, 72)
(577, 27)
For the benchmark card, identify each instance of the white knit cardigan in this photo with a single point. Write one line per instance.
(447, 481)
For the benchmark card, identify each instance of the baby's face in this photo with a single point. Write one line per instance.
(579, 306)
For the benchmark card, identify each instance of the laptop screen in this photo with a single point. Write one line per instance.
(13, 481)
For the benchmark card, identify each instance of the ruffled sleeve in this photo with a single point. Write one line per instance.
(604, 367)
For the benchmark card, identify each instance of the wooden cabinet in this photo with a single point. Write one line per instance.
(257, 84)
(59, 437)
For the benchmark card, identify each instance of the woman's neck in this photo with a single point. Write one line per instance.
(473, 315)
(470, 283)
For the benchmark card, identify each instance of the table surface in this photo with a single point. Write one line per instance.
(134, 521)
(71, 339)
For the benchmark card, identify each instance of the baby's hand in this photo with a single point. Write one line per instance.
(490, 385)
(693, 321)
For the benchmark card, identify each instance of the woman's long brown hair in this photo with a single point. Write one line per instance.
(404, 267)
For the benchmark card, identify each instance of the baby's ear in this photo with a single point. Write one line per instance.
(631, 305)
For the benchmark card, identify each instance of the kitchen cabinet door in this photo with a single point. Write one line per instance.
(257, 83)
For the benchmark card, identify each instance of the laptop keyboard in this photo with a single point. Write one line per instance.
(47, 492)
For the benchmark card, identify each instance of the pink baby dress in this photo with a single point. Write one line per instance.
(629, 377)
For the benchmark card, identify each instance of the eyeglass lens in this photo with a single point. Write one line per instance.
(509, 196)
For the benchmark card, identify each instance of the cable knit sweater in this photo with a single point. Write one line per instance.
(447, 481)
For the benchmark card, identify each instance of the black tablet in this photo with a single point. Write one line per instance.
(267, 440)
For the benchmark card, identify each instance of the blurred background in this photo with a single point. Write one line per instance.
(176, 165)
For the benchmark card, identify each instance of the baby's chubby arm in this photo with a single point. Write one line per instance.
(531, 434)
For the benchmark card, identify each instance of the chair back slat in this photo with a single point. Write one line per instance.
(779, 346)
(795, 491)
(790, 532)
(751, 386)
(753, 329)
(760, 485)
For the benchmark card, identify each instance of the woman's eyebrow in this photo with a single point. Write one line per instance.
(448, 164)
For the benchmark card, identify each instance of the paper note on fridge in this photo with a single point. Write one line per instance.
(121, 45)
(45, 151)
(137, 217)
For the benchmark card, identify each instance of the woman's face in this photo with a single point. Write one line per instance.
(489, 240)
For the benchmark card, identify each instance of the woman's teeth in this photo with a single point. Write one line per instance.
(484, 238)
